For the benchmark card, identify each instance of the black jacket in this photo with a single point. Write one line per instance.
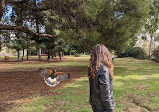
(101, 90)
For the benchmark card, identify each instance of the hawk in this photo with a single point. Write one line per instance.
(51, 77)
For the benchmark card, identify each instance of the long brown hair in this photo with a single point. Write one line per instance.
(100, 56)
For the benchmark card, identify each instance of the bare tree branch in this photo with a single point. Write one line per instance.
(64, 10)
(25, 30)
(61, 9)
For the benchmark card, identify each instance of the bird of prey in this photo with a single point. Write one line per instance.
(51, 77)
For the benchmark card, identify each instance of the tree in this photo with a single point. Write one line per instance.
(63, 10)
(120, 22)
(114, 23)
(0, 43)
(15, 43)
(152, 23)
(50, 44)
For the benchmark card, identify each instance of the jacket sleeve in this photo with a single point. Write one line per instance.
(104, 88)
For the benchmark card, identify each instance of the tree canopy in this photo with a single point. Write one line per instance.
(81, 23)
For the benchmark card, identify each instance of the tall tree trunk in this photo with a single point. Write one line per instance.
(150, 44)
(60, 55)
(52, 53)
(23, 55)
(49, 52)
(39, 49)
(154, 44)
(37, 28)
(39, 54)
(18, 55)
(27, 54)
(2, 7)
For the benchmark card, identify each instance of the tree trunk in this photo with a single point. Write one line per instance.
(2, 7)
(49, 52)
(154, 43)
(52, 53)
(27, 54)
(18, 55)
(150, 47)
(23, 55)
(60, 55)
(39, 54)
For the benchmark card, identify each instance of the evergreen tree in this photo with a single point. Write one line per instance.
(114, 23)
(152, 24)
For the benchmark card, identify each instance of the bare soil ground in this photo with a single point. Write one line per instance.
(19, 84)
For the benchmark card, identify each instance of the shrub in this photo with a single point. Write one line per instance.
(135, 52)
(77, 55)
(155, 55)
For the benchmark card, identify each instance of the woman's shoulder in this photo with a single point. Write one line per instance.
(102, 69)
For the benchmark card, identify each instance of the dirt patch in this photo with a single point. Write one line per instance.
(19, 85)
(135, 103)
(12, 63)
(141, 87)
(154, 94)
(57, 105)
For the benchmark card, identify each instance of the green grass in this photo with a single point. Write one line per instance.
(75, 98)
(11, 57)
(38, 105)
(71, 62)
(64, 64)
(132, 76)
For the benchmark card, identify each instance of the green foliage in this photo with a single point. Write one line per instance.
(61, 45)
(113, 23)
(83, 40)
(151, 26)
(135, 52)
(152, 22)
(120, 22)
(85, 23)
(155, 55)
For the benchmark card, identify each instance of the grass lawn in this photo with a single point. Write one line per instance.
(135, 88)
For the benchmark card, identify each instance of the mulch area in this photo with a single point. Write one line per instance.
(23, 83)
